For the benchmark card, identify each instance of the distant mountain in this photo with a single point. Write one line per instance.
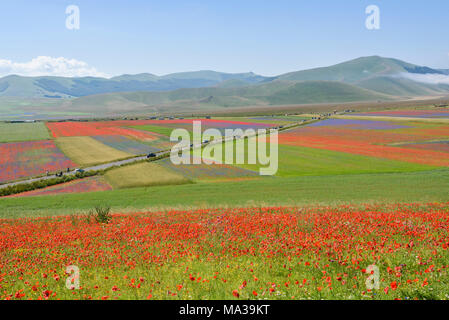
(383, 75)
(368, 78)
(60, 87)
(278, 92)
(358, 70)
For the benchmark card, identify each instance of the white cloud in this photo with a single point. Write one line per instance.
(431, 78)
(49, 66)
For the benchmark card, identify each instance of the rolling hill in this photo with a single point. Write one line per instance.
(278, 92)
(398, 86)
(373, 73)
(364, 79)
(358, 70)
(383, 75)
(60, 87)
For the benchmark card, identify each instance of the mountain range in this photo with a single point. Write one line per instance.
(364, 79)
(62, 87)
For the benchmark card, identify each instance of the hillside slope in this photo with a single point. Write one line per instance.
(272, 93)
(383, 75)
(364, 79)
(357, 70)
(398, 86)
(60, 87)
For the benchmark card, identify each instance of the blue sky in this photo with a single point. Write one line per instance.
(266, 37)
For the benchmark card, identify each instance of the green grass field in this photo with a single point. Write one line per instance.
(156, 129)
(277, 120)
(304, 161)
(425, 186)
(17, 132)
(142, 175)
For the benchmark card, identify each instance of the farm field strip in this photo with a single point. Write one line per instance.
(20, 132)
(159, 129)
(28, 159)
(143, 175)
(392, 118)
(91, 184)
(242, 253)
(273, 121)
(125, 144)
(435, 113)
(97, 128)
(358, 124)
(206, 172)
(166, 126)
(87, 151)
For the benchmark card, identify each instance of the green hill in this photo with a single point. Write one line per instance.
(273, 93)
(364, 79)
(400, 86)
(60, 87)
(361, 70)
(353, 71)
(383, 75)
(323, 91)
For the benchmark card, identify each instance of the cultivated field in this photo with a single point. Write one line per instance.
(18, 132)
(24, 159)
(91, 184)
(87, 151)
(143, 174)
(376, 139)
(328, 148)
(349, 193)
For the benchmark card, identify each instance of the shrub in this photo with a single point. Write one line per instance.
(103, 214)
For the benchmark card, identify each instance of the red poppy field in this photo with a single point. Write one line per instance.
(358, 137)
(97, 128)
(263, 253)
(121, 127)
